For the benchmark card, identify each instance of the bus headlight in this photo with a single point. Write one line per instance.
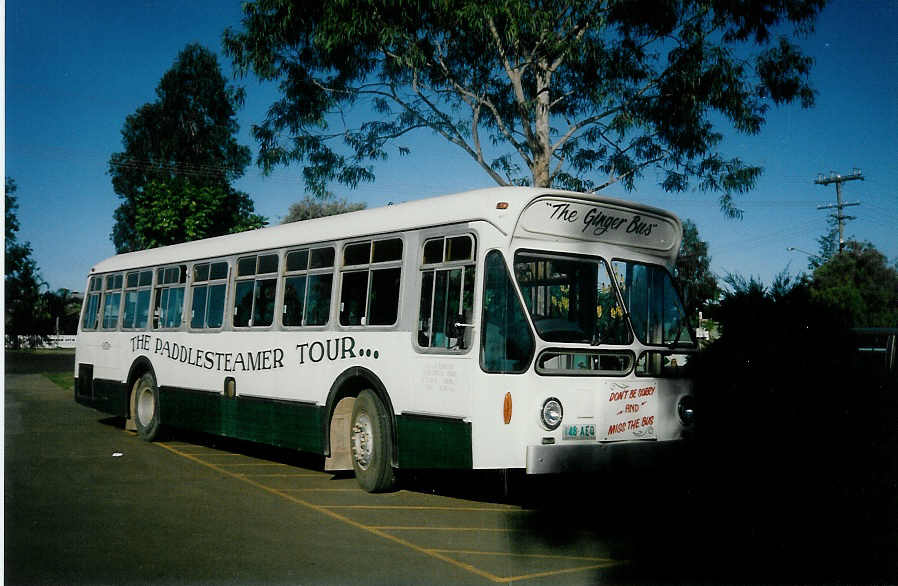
(686, 409)
(552, 413)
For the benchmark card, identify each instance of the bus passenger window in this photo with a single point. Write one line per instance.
(352, 298)
(318, 302)
(383, 300)
(92, 304)
(307, 287)
(447, 293)
(137, 299)
(243, 303)
(369, 294)
(168, 305)
(263, 303)
(254, 296)
(507, 343)
(112, 301)
(208, 297)
(294, 298)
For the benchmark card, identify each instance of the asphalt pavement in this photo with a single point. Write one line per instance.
(87, 502)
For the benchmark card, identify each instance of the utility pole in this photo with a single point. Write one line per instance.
(838, 180)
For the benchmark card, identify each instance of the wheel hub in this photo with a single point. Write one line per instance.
(362, 442)
(146, 406)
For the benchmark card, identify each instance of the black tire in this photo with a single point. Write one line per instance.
(146, 407)
(371, 444)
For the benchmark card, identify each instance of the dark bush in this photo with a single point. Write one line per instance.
(796, 446)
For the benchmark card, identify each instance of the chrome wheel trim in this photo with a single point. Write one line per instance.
(145, 405)
(362, 439)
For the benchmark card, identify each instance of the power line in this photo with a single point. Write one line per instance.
(838, 180)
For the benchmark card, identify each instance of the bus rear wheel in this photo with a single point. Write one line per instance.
(371, 444)
(146, 407)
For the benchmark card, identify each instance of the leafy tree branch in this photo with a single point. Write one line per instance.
(567, 94)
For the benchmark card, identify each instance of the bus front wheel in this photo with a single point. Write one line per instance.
(146, 407)
(371, 444)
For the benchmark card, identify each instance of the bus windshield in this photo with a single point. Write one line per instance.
(653, 303)
(571, 299)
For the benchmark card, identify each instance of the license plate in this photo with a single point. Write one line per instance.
(585, 431)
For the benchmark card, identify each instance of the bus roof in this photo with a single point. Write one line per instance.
(470, 206)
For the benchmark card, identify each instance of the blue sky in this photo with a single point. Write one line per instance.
(74, 71)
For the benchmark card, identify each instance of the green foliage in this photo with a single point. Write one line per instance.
(179, 211)
(569, 94)
(62, 309)
(12, 222)
(181, 146)
(698, 285)
(859, 286)
(26, 311)
(309, 208)
(828, 244)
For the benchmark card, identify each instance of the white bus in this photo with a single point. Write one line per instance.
(506, 328)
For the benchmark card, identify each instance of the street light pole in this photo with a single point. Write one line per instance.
(810, 254)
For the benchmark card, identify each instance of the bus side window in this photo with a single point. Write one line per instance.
(168, 304)
(507, 342)
(92, 304)
(112, 301)
(307, 287)
(254, 295)
(138, 286)
(447, 293)
(208, 295)
(369, 292)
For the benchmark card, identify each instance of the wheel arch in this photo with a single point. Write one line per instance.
(349, 384)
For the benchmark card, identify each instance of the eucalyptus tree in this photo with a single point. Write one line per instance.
(574, 94)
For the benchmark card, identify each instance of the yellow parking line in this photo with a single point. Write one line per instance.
(557, 572)
(251, 464)
(322, 489)
(285, 475)
(338, 517)
(604, 563)
(424, 508)
(526, 555)
(430, 528)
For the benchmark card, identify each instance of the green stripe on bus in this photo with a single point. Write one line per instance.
(432, 442)
(280, 423)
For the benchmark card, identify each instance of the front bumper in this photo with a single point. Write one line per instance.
(566, 458)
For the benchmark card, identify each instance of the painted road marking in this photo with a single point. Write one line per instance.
(431, 528)
(322, 490)
(600, 563)
(285, 475)
(527, 555)
(251, 464)
(423, 508)
(444, 555)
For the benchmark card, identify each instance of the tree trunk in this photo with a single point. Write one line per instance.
(542, 155)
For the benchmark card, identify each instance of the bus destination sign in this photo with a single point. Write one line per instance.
(599, 222)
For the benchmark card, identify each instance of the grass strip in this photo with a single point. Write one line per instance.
(66, 380)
